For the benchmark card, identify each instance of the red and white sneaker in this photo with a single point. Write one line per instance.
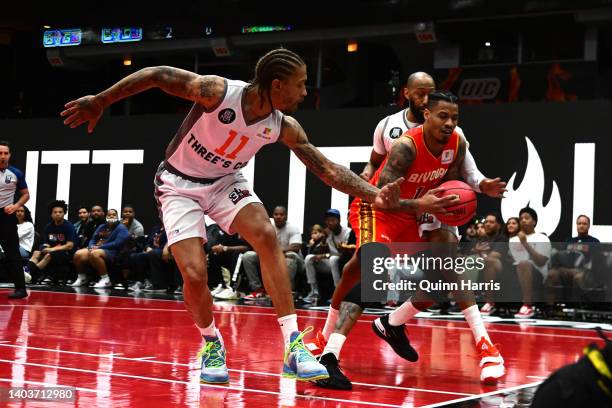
(257, 294)
(491, 362)
(317, 345)
(487, 309)
(526, 312)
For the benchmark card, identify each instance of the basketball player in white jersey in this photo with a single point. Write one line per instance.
(229, 122)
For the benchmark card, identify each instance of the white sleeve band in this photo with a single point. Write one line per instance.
(470, 172)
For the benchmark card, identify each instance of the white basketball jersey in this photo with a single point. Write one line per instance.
(392, 127)
(212, 143)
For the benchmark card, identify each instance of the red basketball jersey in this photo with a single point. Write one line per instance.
(426, 171)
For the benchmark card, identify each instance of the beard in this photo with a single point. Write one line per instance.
(418, 114)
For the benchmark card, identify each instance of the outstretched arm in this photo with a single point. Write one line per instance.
(332, 174)
(203, 89)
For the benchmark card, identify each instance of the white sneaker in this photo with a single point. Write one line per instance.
(487, 309)
(217, 289)
(227, 294)
(103, 283)
(27, 277)
(79, 282)
(525, 312)
(136, 287)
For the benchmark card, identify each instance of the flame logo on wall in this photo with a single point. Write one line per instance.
(531, 193)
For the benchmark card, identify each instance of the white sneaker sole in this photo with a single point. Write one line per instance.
(491, 374)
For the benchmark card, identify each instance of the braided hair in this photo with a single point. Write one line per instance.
(279, 63)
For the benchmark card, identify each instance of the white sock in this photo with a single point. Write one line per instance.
(402, 314)
(104, 276)
(474, 318)
(334, 344)
(288, 325)
(330, 322)
(82, 276)
(208, 331)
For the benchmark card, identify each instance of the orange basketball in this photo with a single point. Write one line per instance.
(462, 212)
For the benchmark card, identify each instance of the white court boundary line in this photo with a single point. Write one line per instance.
(46, 384)
(181, 302)
(223, 387)
(190, 366)
(486, 394)
(311, 317)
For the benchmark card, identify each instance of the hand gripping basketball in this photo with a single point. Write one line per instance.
(461, 210)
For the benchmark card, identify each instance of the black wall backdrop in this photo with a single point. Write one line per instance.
(497, 134)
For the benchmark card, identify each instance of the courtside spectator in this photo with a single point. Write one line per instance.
(128, 218)
(530, 251)
(81, 225)
(329, 262)
(290, 241)
(569, 266)
(102, 250)
(58, 246)
(25, 230)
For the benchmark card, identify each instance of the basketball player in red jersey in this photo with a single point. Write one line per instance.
(229, 122)
(425, 156)
(418, 86)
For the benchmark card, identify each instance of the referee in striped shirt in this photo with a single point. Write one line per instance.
(11, 180)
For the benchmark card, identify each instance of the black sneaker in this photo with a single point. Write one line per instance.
(396, 337)
(337, 380)
(18, 294)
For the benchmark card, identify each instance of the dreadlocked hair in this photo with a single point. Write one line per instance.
(276, 64)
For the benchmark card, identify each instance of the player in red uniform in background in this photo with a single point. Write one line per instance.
(424, 156)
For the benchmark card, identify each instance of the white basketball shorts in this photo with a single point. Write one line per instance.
(429, 222)
(183, 203)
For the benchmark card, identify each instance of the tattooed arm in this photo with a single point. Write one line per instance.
(206, 90)
(332, 174)
(401, 157)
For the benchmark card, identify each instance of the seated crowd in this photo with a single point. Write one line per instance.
(525, 261)
(105, 250)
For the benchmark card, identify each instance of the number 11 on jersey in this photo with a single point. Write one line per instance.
(232, 155)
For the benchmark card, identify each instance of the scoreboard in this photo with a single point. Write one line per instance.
(118, 35)
(62, 38)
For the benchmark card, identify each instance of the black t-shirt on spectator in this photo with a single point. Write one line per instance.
(498, 243)
(581, 244)
(89, 230)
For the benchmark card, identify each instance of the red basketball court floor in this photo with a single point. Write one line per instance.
(130, 352)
